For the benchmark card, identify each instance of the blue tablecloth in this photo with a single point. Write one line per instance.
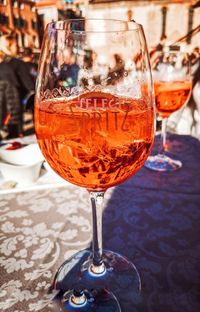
(156, 223)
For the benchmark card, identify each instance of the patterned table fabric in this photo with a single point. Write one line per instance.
(153, 219)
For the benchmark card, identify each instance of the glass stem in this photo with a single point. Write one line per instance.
(163, 136)
(97, 199)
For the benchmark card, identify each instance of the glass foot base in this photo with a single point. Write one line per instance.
(118, 276)
(162, 163)
(100, 301)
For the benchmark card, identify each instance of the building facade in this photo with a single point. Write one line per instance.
(20, 16)
(161, 19)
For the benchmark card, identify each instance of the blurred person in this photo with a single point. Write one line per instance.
(94, 69)
(28, 58)
(14, 75)
(116, 72)
(194, 56)
(27, 55)
(89, 74)
(68, 73)
(194, 102)
(158, 48)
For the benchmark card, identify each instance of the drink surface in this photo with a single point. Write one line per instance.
(96, 140)
(171, 96)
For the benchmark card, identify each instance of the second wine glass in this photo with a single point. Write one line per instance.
(172, 84)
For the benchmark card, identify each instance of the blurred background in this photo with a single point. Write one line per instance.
(22, 24)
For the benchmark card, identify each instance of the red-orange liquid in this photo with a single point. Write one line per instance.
(171, 96)
(96, 141)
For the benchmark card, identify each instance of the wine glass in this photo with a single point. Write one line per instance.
(172, 84)
(94, 121)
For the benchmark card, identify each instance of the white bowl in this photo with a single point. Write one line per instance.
(26, 155)
(23, 174)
